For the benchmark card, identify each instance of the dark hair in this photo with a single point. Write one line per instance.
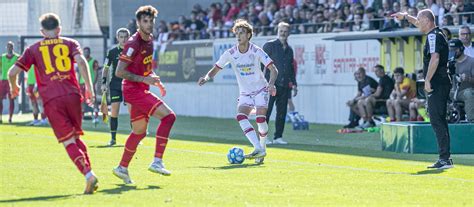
(147, 10)
(49, 21)
(399, 70)
(87, 48)
(380, 67)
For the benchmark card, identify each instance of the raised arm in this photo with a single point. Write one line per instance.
(84, 71)
(404, 16)
(210, 74)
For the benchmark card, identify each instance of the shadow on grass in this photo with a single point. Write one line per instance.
(106, 146)
(230, 167)
(40, 198)
(429, 172)
(342, 150)
(121, 188)
(199, 129)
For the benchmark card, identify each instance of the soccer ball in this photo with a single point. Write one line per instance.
(236, 155)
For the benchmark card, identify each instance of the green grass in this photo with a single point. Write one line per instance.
(319, 167)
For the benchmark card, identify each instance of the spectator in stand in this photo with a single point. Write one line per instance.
(193, 27)
(369, 20)
(462, 8)
(404, 91)
(232, 13)
(466, 39)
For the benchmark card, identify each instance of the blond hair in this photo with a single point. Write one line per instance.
(241, 23)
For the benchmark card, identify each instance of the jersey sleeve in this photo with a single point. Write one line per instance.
(75, 48)
(129, 52)
(108, 58)
(223, 60)
(26, 60)
(434, 43)
(263, 57)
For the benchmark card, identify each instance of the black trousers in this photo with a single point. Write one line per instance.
(281, 100)
(437, 109)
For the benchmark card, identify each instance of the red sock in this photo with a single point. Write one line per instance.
(11, 109)
(130, 148)
(78, 158)
(162, 134)
(43, 116)
(83, 147)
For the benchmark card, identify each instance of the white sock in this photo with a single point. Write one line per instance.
(250, 133)
(156, 159)
(263, 143)
(262, 130)
(89, 174)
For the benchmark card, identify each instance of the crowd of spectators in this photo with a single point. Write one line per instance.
(306, 16)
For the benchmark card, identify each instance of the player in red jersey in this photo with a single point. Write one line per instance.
(135, 67)
(54, 57)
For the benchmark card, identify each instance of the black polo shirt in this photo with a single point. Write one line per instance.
(112, 59)
(436, 42)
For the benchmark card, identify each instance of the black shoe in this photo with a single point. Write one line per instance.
(111, 142)
(351, 125)
(442, 164)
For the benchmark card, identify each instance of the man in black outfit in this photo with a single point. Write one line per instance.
(437, 81)
(282, 55)
(113, 84)
(366, 86)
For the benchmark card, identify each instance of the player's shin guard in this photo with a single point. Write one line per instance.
(130, 148)
(113, 126)
(78, 158)
(248, 130)
(162, 134)
(83, 147)
(262, 129)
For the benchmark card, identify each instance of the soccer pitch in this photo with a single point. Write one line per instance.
(318, 167)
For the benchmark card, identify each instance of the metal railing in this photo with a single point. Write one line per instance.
(381, 24)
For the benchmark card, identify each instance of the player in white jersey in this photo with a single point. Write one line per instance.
(245, 59)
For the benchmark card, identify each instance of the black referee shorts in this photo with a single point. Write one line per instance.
(116, 95)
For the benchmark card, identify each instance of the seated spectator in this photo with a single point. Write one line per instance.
(465, 71)
(404, 91)
(417, 104)
(366, 86)
(377, 99)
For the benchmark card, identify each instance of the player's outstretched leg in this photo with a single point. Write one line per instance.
(251, 135)
(121, 171)
(162, 134)
(262, 132)
(82, 163)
